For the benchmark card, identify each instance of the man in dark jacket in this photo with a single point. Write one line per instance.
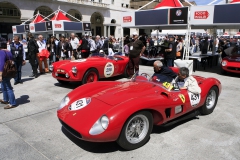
(162, 73)
(170, 52)
(32, 53)
(19, 57)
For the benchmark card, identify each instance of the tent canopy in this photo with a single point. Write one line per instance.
(235, 1)
(168, 4)
(59, 16)
(38, 18)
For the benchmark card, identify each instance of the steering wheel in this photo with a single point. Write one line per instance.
(146, 75)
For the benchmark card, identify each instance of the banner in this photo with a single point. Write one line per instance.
(32, 27)
(40, 27)
(14, 29)
(57, 25)
(20, 29)
(151, 17)
(202, 15)
(87, 27)
(49, 26)
(178, 15)
(227, 13)
(27, 29)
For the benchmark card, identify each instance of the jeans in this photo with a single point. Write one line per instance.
(169, 62)
(18, 65)
(7, 90)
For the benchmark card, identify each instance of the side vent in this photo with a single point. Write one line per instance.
(168, 112)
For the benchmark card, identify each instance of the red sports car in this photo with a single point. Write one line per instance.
(231, 64)
(90, 69)
(126, 111)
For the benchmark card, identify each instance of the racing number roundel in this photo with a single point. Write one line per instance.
(108, 69)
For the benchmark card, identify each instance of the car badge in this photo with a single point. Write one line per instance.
(74, 114)
(182, 97)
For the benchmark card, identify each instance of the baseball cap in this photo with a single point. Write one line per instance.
(101, 51)
(3, 43)
(135, 33)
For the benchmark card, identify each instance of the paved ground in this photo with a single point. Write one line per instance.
(32, 131)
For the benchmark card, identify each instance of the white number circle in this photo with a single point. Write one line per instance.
(108, 69)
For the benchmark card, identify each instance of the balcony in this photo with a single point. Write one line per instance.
(87, 2)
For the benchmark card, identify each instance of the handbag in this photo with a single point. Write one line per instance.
(178, 54)
(9, 69)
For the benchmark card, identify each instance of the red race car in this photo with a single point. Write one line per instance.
(126, 111)
(90, 69)
(231, 64)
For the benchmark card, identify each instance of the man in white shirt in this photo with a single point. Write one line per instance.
(216, 44)
(74, 43)
(42, 46)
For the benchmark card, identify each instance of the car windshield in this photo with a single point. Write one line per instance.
(144, 77)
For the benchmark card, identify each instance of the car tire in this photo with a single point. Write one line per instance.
(210, 102)
(90, 76)
(126, 74)
(130, 138)
(63, 82)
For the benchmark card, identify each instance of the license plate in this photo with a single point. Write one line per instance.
(79, 104)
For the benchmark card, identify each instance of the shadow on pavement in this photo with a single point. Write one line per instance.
(95, 147)
(27, 79)
(163, 129)
(22, 100)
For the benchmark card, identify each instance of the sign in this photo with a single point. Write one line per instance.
(49, 26)
(32, 27)
(108, 70)
(226, 14)
(26, 27)
(57, 25)
(87, 27)
(201, 14)
(14, 29)
(178, 16)
(127, 19)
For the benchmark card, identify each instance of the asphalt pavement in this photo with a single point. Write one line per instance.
(32, 130)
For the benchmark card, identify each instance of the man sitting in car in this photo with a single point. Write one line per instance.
(162, 73)
(187, 82)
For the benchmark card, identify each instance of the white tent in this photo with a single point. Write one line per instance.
(176, 32)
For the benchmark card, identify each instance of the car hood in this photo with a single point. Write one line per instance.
(124, 92)
(68, 63)
(235, 58)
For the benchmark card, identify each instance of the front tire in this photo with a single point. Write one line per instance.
(210, 102)
(136, 130)
(63, 82)
(90, 76)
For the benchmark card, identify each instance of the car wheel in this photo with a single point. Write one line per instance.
(136, 130)
(90, 76)
(126, 72)
(63, 82)
(210, 102)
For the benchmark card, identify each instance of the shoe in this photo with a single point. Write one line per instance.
(15, 83)
(21, 82)
(3, 102)
(9, 106)
(36, 76)
(42, 73)
(33, 75)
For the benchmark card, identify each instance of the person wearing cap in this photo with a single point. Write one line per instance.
(170, 52)
(32, 53)
(19, 56)
(7, 89)
(136, 49)
(163, 73)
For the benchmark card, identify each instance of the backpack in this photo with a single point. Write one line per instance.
(9, 69)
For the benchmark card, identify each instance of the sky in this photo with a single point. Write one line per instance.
(205, 2)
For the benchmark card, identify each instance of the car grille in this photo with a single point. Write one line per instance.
(61, 75)
(71, 130)
(233, 68)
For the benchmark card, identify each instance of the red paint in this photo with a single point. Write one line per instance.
(201, 14)
(127, 19)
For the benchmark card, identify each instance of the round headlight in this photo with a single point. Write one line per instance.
(64, 102)
(51, 67)
(104, 122)
(74, 69)
(224, 63)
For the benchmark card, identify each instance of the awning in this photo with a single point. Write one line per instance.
(235, 1)
(38, 18)
(59, 16)
(168, 4)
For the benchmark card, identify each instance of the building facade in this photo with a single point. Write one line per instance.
(104, 15)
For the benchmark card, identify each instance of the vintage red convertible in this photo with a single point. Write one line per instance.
(231, 64)
(90, 69)
(126, 111)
